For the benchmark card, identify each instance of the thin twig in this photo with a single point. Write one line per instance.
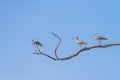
(38, 52)
(55, 50)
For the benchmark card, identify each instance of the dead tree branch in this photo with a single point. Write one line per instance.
(38, 52)
(55, 50)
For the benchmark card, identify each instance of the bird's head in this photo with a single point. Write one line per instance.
(77, 37)
(95, 34)
(33, 40)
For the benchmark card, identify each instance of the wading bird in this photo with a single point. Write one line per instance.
(36, 43)
(99, 38)
(80, 42)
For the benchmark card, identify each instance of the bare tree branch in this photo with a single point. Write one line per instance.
(55, 50)
(88, 48)
(38, 52)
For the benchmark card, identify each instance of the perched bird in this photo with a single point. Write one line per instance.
(36, 43)
(99, 38)
(80, 42)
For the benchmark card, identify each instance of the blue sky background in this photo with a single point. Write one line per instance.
(22, 20)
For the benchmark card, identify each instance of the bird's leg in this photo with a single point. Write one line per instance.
(81, 46)
(99, 41)
(85, 45)
(39, 51)
(37, 47)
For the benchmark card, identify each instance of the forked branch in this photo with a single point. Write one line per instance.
(38, 52)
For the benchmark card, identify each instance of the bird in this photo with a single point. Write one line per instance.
(99, 38)
(36, 43)
(80, 42)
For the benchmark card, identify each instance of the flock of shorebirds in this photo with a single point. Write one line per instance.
(78, 41)
(97, 37)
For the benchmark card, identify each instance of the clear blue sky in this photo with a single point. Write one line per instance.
(22, 20)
